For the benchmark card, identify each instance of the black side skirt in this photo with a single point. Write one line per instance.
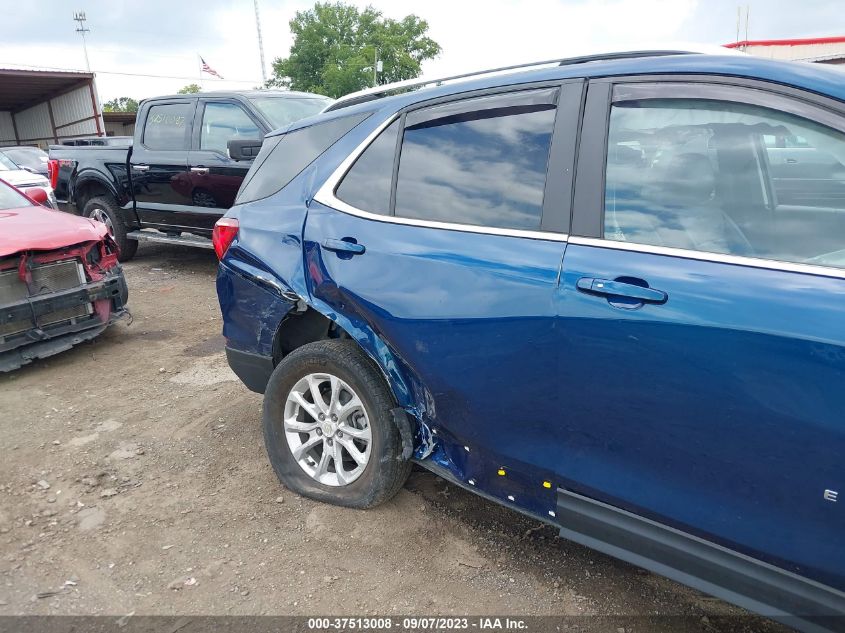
(770, 591)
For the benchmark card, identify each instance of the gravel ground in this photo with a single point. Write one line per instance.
(134, 480)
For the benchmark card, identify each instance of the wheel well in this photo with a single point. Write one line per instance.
(300, 328)
(88, 190)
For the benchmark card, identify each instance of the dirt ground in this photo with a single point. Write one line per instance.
(134, 480)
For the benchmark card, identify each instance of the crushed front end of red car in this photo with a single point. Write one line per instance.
(60, 283)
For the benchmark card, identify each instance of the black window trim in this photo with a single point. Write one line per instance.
(558, 193)
(199, 113)
(397, 158)
(589, 191)
(189, 119)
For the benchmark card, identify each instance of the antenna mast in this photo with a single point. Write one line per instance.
(260, 42)
(747, 11)
(79, 17)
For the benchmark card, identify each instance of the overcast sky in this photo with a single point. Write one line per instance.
(165, 37)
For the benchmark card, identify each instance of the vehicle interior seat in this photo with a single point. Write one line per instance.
(683, 210)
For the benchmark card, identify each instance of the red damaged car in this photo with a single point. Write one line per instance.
(60, 283)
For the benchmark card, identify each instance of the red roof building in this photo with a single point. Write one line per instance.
(822, 50)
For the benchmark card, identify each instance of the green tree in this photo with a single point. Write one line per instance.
(335, 46)
(121, 104)
(189, 89)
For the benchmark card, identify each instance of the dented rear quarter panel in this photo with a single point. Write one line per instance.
(411, 336)
(261, 273)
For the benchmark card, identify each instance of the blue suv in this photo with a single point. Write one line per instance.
(607, 292)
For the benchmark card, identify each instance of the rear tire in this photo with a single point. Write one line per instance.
(105, 210)
(336, 367)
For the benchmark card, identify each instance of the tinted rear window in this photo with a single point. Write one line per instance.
(282, 157)
(367, 185)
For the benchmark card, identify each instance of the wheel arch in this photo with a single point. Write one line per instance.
(318, 322)
(92, 186)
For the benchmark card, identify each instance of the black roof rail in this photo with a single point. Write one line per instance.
(377, 92)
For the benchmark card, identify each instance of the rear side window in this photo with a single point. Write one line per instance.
(724, 177)
(167, 126)
(282, 157)
(367, 185)
(480, 162)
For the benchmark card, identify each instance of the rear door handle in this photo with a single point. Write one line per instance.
(141, 167)
(199, 170)
(608, 287)
(343, 246)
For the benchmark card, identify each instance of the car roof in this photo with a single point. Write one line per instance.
(817, 78)
(285, 94)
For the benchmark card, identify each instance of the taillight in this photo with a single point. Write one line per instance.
(53, 172)
(225, 231)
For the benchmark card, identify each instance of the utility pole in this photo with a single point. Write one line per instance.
(747, 11)
(260, 42)
(738, 22)
(377, 67)
(79, 16)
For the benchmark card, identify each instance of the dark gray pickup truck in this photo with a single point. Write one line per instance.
(183, 169)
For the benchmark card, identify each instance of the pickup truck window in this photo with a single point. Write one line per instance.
(282, 111)
(166, 127)
(223, 122)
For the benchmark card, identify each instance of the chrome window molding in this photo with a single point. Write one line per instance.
(326, 195)
(736, 260)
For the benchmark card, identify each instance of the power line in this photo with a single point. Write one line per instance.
(239, 81)
(112, 72)
(146, 54)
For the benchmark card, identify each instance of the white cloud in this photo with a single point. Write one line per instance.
(477, 35)
(160, 38)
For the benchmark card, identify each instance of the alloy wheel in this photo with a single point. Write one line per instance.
(327, 429)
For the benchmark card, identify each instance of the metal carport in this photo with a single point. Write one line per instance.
(44, 107)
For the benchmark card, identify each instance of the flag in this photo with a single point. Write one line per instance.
(208, 69)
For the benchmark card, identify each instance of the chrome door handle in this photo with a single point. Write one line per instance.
(141, 167)
(342, 246)
(610, 288)
(199, 170)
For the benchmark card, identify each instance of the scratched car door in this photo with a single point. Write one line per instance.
(458, 270)
(705, 318)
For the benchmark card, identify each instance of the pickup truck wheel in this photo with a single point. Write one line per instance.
(106, 211)
(328, 426)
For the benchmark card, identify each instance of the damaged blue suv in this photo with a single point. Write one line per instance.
(606, 292)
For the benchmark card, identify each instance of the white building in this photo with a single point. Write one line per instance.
(46, 107)
(821, 50)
